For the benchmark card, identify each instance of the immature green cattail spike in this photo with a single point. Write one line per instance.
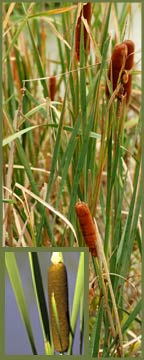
(58, 288)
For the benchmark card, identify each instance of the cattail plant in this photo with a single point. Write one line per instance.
(58, 290)
(86, 12)
(121, 64)
(52, 87)
(87, 226)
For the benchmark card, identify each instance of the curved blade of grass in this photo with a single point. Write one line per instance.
(15, 37)
(93, 42)
(53, 11)
(58, 34)
(18, 134)
(48, 206)
(15, 280)
(36, 15)
(43, 112)
(79, 288)
(132, 316)
(40, 298)
(39, 108)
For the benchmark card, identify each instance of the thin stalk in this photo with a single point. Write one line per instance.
(102, 258)
(79, 288)
(108, 199)
(104, 289)
(9, 174)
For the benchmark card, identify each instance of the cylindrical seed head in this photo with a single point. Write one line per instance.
(87, 226)
(57, 285)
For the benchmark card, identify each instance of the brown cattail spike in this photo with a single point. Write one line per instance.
(52, 87)
(130, 56)
(57, 285)
(87, 226)
(117, 63)
(86, 11)
(121, 63)
(128, 66)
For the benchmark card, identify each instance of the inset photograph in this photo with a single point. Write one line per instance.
(44, 303)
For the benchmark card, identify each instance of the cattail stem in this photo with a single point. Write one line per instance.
(102, 259)
(104, 289)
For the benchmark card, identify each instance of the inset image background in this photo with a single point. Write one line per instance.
(16, 339)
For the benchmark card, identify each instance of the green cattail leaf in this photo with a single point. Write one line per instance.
(40, 298)
(15, 280)
(95, 338)
(79, 289)
(17, 134)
